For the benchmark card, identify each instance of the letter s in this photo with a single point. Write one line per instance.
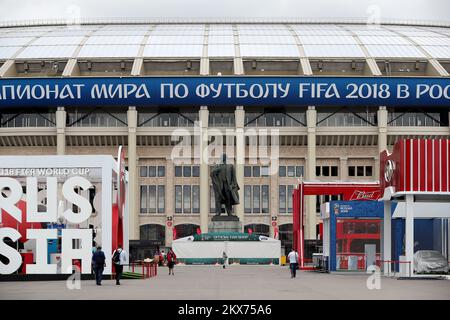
(14, 257)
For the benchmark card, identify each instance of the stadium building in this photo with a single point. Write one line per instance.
(324, 143)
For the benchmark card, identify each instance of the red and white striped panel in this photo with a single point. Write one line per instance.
(421, 165)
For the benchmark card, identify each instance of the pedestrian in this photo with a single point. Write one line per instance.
(293, 262)
(224, 258)
(98, 262)
(119, 259)
(171, 260)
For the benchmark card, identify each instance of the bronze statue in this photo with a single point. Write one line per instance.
(225, 186)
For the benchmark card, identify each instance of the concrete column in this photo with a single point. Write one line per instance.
(310, 201)
(60, 131)
(170, 200)
(204, 169)
(343, 168)
(239, 115)
(409, 230)
(386, 237)
(133, 174)
(382, 116)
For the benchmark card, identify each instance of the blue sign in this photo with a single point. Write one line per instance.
(223, 90)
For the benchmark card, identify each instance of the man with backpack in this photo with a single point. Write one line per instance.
(119, 259)
(98, 262)
(293, 262)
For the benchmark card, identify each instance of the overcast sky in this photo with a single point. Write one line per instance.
(436, 10)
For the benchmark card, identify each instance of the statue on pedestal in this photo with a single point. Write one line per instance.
(225, 186)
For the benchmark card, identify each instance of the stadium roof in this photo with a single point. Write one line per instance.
(168, 40)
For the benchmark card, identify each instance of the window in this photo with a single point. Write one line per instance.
(299, 171)
(256, 199)
(161, 199)
(360, 171)
(143, 171)
(326, 171)
(289, 198)
(291, 171)
(282, 198)
(151, 199)
(196, 171)
(351, 171)
(247, 171)
(318, 171)
(285, 198)
(212, 203)
(282, 171)
(186, 171)
(256, 172)
(143, 199)
(247, 199)
(178, 171)
(152, 171)
(178, 199)
(195, 199)
(187, 199)
(161, 171)
(265, 198)
(264, 171)
(334, 171)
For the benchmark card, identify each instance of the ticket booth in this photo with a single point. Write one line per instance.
(351, 234)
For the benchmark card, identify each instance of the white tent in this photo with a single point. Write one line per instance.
(263, 251)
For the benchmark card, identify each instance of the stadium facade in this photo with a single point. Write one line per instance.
(324, 143)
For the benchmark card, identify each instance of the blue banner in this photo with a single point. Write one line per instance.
(224, 90)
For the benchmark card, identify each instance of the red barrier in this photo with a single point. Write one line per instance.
(149, 269)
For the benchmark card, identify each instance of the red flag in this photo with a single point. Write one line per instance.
(199, 231)
(174, 231)
(250, 231)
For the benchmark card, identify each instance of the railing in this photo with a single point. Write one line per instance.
(389, 268)
(344, 258)
(146, 269)
(275, 119)
(411, 119)
(185, 119)
(27, 120)
(97, 119)
(346, 119)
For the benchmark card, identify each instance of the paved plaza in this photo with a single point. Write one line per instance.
(235, 282)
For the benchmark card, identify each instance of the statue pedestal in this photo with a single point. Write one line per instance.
(224, 224)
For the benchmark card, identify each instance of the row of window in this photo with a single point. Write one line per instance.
(260, 171)
(187, 199)
(360, 171)
(327, 171)
(119, 119)
(283, 171)
(152, 171)
(153, 199)
(187, 171)
(256, 199)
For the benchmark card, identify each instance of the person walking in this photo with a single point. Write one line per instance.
(98, 262)
(119, 259)
(293, 262)
(171, 259)
(224, 259)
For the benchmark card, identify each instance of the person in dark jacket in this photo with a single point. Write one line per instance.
(98, 262)
(171, 260)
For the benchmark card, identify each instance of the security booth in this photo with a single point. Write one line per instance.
(351, 234)
(415, 183)
(55, 209)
